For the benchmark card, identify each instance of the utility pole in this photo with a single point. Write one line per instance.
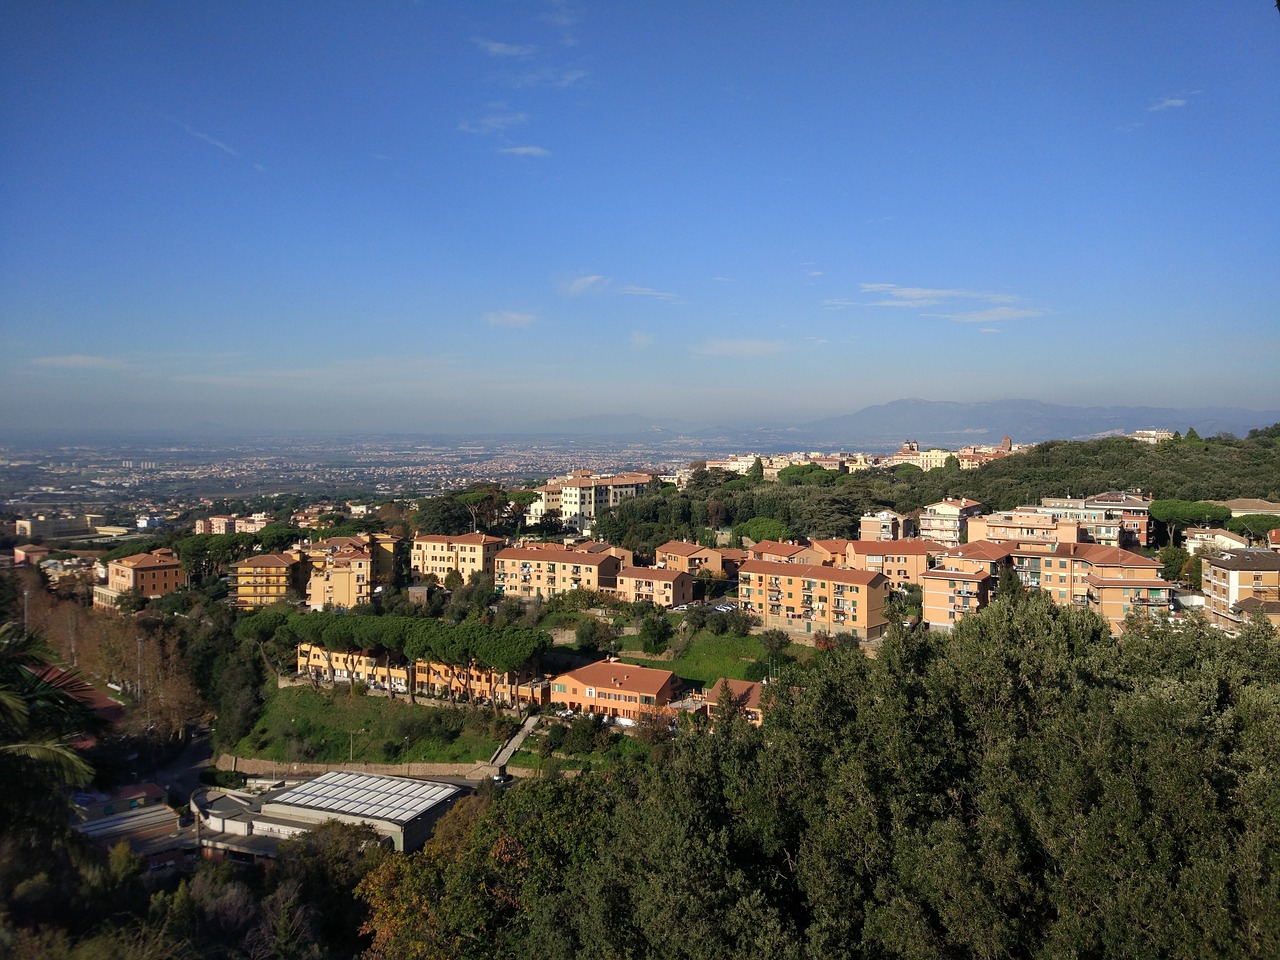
(26, 603)
(139, 689)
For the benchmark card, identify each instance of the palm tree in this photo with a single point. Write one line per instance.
(41, 715)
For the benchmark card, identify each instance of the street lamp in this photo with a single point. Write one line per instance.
(26, 603)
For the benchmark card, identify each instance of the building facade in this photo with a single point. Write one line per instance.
(802, 598)
(469, 553)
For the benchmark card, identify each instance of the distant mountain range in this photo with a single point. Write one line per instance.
(940, 423)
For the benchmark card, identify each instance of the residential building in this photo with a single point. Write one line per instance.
(152, 575)
(345, 581)
(615, 689)
(30, 554)
(578, 497)
(690, 558)
(1244, 506)
(217, 525)
(1199, 538)
(831, 552)
(1024, 525)
(526, 574)
(1116, 518)
(947, 521)
(949, 594)
(885, 525)
(900, 561)
(1239, 581)
(1152, 436)
(438, 554)
(666, 588)
(50, 527)
(774, 552)
(380, 548)
(745, 695)
(810, 599)
(266, 579)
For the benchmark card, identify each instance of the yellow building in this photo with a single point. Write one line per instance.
(666, 588)
(263, 580)
(811, 599)
(345, 581)
(469, 553)
(901, 561)
(527, 574)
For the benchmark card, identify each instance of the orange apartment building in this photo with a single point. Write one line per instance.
(951, 594)
(771, 551)
(666, 588)
(526, 574)
(1238, 582)
(1115, 518)
(901, 561)
(1024, 526)
(803, 598)
(152, 574)
(690, 558)
(616, 689)
(266, 579)
(468, 554)
(947, 521)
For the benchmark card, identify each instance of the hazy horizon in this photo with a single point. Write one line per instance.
(430, 218)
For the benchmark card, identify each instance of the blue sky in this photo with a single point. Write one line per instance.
(414, 216)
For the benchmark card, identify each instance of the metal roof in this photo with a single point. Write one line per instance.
(395, 799)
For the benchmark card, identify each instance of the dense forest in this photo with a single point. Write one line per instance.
(812, 502)
(1023, 786)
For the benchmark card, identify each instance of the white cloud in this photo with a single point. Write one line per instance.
(1168, 103)
(641, 341)
(990, 330)
(78, 361)
(587, 284)
(526, 151)
(738, 349)
(723, 279)
(494, 123)
(509, 318)
(634, 291)
(495, 49)
(210, 140)
(839, 303)
(994, 315)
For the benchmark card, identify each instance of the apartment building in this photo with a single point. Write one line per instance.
(266, 579)
(803, 598)
(666, 588)
(51, 527)
(152, 574)
(1238, 582)
(217, 525)
(900, 561)
(438, 554)
(772, 551)
(380, 548)
(886, 525)
(947, 521)
(346, 580)
(831, 552)
(1024, 525)
(690, 558)
(526, 574)
(614, 689)
(1115, 518)
(1199, 538)
(579, 497)
(950, 594)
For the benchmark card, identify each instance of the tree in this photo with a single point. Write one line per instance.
(1173, 559)
(756, 473)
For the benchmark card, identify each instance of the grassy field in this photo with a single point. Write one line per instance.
(331, 726)
(709, 658)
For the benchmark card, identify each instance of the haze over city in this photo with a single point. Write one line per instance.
(401, 216)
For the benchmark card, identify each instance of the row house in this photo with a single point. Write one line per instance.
(666, 588)
(528, 574)
(615, 689)
(385, 671)
(438, 554)
(152, 574)
(947, 521)
(266, 579)
(812, 599)
(1238, 582)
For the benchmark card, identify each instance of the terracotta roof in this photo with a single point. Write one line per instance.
(680, 548)
(745, 693)
(941, 573)
(267, 560)
(808, 571)
(478, 539)
(146, 561)
(650, 573)
(983, 550)
(620, 676)
(552, 556)
(1098, 554)
(777, 549)
(906, 548)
